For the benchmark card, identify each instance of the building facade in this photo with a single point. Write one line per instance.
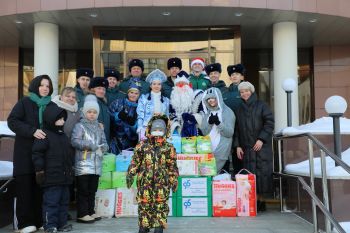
(307, 41)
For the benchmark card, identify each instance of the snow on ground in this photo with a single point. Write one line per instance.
(4, 129)
(322, 125)
(333, 172)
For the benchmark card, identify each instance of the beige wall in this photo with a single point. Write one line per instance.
(332, 75)
(8, 80)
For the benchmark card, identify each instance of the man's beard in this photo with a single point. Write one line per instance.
(181, 99)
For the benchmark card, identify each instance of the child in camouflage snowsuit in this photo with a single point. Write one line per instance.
(154, 163)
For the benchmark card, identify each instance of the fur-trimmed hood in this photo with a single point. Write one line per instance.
(149, 126)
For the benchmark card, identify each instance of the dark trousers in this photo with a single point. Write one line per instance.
(28, 202)
(86, 190)
(55, 206)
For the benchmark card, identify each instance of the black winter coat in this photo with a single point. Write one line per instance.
(23, 121)
(52, 154)
(255, 121)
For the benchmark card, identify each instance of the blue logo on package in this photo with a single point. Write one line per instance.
(187, 203)
(186, 184)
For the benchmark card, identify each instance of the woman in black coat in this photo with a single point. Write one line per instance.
(26, 119)
(253, 139)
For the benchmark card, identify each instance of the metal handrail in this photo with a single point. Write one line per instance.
(311, 190)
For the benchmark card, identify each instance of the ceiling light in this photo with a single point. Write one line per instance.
(18, 21)
(93, 15)
(238, 14)
(312, 20)
(166, 13)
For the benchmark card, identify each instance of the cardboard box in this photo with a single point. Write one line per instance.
(108, 163)
(199, 157)
(126, 204)
(105, 202)
(105, 181)
(190, 186)
(224, 198)
(187, 167)
(194, 206)
(122, 163)
(246, 194)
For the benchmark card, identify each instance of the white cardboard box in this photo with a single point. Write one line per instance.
(126, 204)
(194, 206)
(105, 202)
(194, 186)
(187, 167)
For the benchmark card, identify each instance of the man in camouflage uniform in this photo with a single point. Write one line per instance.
(154, 163)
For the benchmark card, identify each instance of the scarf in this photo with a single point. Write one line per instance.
(61, 104)
(41, 103)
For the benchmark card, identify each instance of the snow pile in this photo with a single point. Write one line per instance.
(333, 172)
(6, 168)
(4, 129)
(322, 125)
(345, 226)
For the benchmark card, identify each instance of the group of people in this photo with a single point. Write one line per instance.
(66, 136)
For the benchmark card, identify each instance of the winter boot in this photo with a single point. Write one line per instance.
(158, 230)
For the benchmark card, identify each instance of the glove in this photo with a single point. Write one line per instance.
(131, 120)
(39, 177)
(123, 115)
(189, 117)
(214, 119)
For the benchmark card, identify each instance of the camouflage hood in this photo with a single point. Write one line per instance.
(167, 123)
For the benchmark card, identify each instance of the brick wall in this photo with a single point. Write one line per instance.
(331, 75)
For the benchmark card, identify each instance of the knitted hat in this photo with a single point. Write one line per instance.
(174, 62)
(246, 86)
(90, 102)
(158, 124)
(182, 76)
(198, 60)
(134, 87)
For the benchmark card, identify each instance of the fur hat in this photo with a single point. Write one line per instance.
(198, 60)
(182, 76)
(112, 73)
(98, 82)
(238, 68)
(174, 62)
(213, 67)
(156, 75)
(84, 72)
(90, 102)
(136, 62)
(246, 86)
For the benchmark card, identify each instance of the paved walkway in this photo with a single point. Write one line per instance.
(268, 222)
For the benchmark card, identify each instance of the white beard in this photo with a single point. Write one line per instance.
(181, 100)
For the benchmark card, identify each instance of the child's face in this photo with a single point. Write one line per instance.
(236, 78)
(84, 82)
(214, 76)
(91, 115)
(60, 122)
(112, 82)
